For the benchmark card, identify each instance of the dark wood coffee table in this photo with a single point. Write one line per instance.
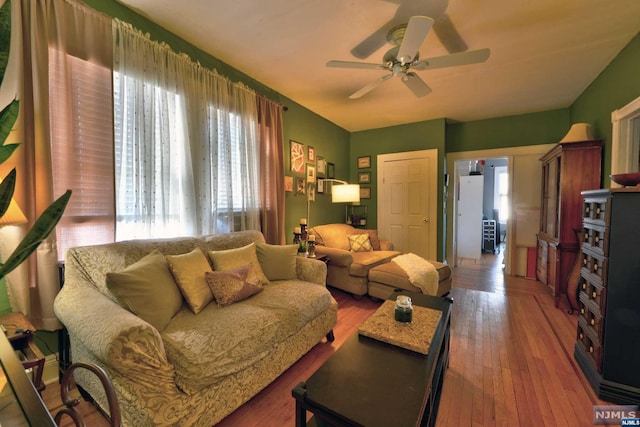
(371, 383)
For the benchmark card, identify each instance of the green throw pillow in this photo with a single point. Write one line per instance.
(278, 262)
(233, 258)
(188, 270)
(147, 289)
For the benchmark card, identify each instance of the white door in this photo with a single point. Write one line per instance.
(407, 201)
(469, 242)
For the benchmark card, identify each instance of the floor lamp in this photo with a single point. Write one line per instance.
(344, 193)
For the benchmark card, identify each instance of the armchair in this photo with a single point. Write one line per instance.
(348, 270)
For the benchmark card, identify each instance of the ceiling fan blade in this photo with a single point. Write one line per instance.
(350, 64)
(368, 88)
(417, 30)
(416, 85)
(455, 59)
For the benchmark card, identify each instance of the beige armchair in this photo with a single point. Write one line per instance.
(346, 269)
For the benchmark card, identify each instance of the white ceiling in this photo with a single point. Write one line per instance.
(544, 53)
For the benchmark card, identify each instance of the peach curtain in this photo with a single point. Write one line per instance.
(37, 25)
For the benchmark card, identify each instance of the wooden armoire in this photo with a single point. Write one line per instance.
(567, 169)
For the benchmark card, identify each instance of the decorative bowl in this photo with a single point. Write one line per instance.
(626, 179)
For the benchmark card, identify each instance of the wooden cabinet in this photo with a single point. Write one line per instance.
(567, 169)
(608, 348)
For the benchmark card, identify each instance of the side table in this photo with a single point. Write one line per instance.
(19, 332)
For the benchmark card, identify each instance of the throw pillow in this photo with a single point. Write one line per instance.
(146, 288)
(231, 286)
(278, 262)
(374, 239)
(360, 243)
(232, 258)
(188, 270)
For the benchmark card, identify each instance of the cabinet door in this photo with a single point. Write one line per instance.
(553, 264)
(541, 265)
(551, 197)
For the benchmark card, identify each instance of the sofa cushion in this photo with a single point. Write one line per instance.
(364, 261)
(374, 239)
(334, 235)
(359, 243)
(203, 350)
(147, 289)
(278, 262)
(231, 286)
(237, 257)
(188, 270)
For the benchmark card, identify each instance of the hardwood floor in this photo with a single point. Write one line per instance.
(511, 358)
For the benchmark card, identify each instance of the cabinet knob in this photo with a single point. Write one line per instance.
(584, 261)
(581, 335)
(593, 322)
(594, 294)
(598, 211)
(581, 310)
(587, 209)
(586, 236)
(590, 349)
(595, 267)
(584, 286)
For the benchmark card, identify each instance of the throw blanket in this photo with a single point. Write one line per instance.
(422, 274)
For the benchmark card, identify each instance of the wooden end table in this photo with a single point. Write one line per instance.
(374, 384)
(19, 332)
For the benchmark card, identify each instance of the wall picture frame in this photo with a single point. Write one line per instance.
(311, 154)
(321, 166)
(364, 177)
(300, 186)
(320, 186)
(331, 170)
(288, 183)
(364, 162)
(311, 173)
(296, 152)
(365, 192)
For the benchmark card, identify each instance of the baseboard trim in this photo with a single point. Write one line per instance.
(50, 373)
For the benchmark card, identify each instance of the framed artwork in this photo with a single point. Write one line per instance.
(300, 186)
(331, 170)
(297, 157)
(320, 186)
(364, 177)
(311, 174)
(365, 192)
(312, 193)
(288, 183)
(321, 166)
(364, 162)
(311, 154)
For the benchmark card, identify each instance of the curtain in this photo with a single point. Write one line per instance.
(36, 26)
(271, 171)
(187, 144)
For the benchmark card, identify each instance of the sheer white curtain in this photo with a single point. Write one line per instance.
(154, 181)
(186, 144)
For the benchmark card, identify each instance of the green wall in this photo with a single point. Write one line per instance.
(330, 142)
(395, 139)
(614, 88)
(527, 129)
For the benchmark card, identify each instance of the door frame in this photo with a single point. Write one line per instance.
(432, 155)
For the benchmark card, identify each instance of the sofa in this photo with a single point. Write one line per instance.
(348, 269)
(191, 356)
(361, 269)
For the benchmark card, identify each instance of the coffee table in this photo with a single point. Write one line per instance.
(370, 383)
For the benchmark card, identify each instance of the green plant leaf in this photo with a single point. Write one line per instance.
(41, 229)
(7, 187)
(8, 117)
(6, 151)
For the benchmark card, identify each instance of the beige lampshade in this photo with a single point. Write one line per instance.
(579, 132)
(13, 215)
(345, 193)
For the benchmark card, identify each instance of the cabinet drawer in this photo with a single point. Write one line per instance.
(590, 346)
(596, 210)
(594, 265)
(596, 238)
(592, 291)
(590, 316)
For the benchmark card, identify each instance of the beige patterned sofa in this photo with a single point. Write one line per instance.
(200, 367)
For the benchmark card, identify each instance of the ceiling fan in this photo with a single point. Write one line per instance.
(404, 57)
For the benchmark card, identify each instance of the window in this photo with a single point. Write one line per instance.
(82, 149)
